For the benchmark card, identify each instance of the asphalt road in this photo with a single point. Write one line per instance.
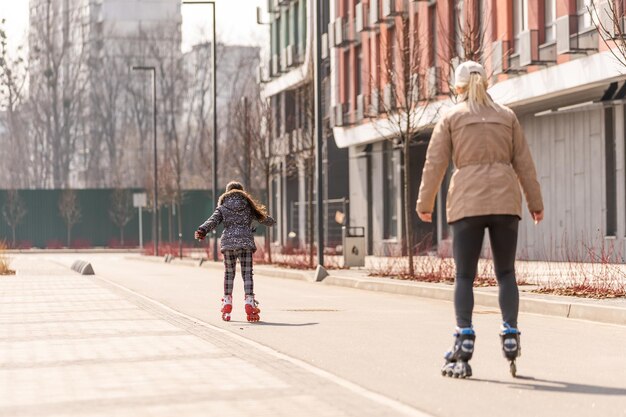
(393, 344)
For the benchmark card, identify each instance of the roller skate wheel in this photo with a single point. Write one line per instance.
(226, 316)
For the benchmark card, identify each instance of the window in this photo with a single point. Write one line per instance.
(432, 17)
(459, 22)
(584, 17)
(288, 27)
(296, 26)
(611, 180)
(279, 43)
(482, 21)
(520, 21)
(549, 18)
(346, 75)
(390, 192)
(358, 66)
(392, 51)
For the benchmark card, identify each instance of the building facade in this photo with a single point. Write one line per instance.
(287, 79)
(546, 60)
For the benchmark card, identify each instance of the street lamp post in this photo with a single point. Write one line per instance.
(155, 227)
(214, 83)
(319, 30)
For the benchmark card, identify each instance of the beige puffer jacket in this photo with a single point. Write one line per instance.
(491, 159)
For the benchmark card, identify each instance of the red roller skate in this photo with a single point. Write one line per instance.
(252, 309)
(227, 307)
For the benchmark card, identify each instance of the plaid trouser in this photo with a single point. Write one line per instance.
(230, 265)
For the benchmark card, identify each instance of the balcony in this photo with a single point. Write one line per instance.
(433, 81)
(391, 8)
(340, 32)
(569, 41)
(529, 49)
(362, 19)
(360, 107)
(375, 17)
(275, 66)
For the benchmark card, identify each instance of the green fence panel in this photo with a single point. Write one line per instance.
(43, 227)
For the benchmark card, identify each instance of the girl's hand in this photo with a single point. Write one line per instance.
(537, 216)
(199, 235)
(425, 217)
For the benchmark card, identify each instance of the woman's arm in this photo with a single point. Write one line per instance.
(209, 225)
(268, 221)
(437, 160)
(525, 169)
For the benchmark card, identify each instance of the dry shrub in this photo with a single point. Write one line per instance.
(589, 270)
(429, 266)
(5, 261)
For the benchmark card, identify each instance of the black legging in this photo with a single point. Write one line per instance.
(467, 243)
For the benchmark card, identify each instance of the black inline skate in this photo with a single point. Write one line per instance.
(457, 358)
(511, 347)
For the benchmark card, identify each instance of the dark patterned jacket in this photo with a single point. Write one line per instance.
(235, 212)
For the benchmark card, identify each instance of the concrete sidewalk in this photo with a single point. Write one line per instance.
(605, 311)
(77, 346)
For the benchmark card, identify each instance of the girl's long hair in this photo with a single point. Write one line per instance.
(258, 209)
(476, 93)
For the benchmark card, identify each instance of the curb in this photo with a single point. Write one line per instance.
(557, 306)
(528, 304)
(263, 270)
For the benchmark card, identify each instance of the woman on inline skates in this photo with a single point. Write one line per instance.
(491, 158)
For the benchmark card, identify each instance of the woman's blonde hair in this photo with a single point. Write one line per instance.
(258, 209)
(475, 93)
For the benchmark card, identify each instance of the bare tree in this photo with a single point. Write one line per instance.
(198, 111)
(121, 211)
(407, 101)
(264, 153)
(13, 211)
(58, 72)
(13, 74)
(254, 119)
(108, 118)
(70, 212)
(239, 87)
(608, 18)
(464, 40)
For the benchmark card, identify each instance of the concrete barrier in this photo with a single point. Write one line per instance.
(82, 267)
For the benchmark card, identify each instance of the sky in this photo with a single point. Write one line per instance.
(236, 22)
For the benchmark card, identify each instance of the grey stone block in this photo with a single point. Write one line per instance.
(83, 268)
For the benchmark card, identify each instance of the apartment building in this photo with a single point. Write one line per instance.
(287, 79)
(546, 60)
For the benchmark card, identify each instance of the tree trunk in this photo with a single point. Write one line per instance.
(169, 223)
(311, 219)
(180, 228)
(408, 224)
(69, 235)
(13, 230)
(268, 246)
(122, 235)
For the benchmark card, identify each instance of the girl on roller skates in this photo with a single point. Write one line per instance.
(237, 210)
(491, 159)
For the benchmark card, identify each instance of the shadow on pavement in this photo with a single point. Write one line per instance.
(269, 323)
(531, 383)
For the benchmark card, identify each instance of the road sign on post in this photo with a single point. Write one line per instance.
(140, 200)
